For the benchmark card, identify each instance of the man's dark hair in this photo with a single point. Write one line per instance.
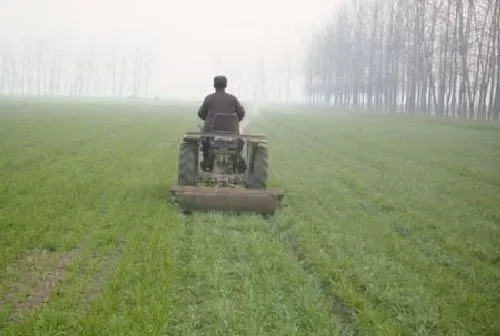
(220, 82)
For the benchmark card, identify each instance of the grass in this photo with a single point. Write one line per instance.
(391, 228)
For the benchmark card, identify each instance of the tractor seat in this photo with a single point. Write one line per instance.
(224, 122)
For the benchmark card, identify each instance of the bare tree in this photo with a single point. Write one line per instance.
(433, 57)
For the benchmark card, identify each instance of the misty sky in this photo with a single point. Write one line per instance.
(191, 39)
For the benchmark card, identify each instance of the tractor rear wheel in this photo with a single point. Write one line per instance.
(188, 164)
(256, 176)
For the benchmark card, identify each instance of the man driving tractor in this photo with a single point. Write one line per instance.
(221, 112)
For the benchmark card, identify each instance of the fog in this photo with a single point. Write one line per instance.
(258, 44)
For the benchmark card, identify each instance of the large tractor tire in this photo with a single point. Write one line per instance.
(188, 164)
(256, 176)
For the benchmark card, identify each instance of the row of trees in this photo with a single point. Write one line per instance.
(40, 69)
(439, 57)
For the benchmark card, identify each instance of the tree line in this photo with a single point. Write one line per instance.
(432, 57)
(37, 68)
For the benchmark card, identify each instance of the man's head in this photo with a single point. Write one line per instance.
(220, 82)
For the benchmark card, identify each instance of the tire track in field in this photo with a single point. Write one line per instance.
(97, 267)
(235, 278)
(186, 241)
(74, 208)
(39, 273)
(420, 239)
(370, 319)
(114, 239)
(370, 316)
(416, 318)
(340, 309)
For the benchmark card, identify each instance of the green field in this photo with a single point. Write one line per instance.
(390, 227)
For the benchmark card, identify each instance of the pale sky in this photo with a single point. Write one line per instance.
(187, 37)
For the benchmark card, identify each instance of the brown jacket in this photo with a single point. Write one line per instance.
(221, 102)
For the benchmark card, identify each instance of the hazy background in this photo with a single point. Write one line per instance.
(189, 41)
